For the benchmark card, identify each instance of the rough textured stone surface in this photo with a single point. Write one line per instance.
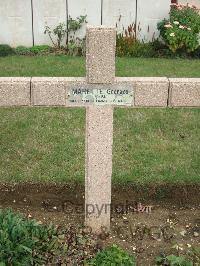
(14, 91)
(99, 139)
(100, 54)
(48, 92)
(185, 92)
(151, 92)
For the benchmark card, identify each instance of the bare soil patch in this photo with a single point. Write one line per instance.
(171, 225)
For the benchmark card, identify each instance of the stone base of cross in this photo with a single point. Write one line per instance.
(99, 93)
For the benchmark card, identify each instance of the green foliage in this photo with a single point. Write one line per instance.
(74, 45)
(6, 50)
(128, 45)
(35, 50)
(173, 260)
(59, 33)
(76, 48)
(23, 241)
(40, 49)
(181, 31)
(194, 255)
(134, 48)
(21, 50)
(113, 256)
(196, 53)
(76, 24)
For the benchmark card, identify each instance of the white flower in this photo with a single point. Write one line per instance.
(176, 22)
(189, 29)
(189, 5)
(168, 26)
(172, 34)
(181, 27)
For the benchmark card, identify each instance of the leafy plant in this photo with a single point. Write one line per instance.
(181, 31)
(75, 24)
(59, 32)
(21, 50)
(75, 45)
(134, 48)
(173, 260)
(40, 49)
(194, 255)
(26, 242)
(6, 50)
(23, 241)
(35, 50)
(114, 256)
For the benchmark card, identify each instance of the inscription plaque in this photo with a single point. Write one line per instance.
(100, 95)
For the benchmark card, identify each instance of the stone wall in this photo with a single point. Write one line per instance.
(22, 22)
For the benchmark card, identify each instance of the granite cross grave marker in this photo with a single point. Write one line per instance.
(99, 92)
(100, 95)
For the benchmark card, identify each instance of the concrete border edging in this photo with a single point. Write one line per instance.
(53, 91)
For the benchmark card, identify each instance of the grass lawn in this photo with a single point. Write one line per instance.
(150, 145)
(62, 66)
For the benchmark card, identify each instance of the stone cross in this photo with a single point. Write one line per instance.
(99, 95)
(99, 92)
(100, 67)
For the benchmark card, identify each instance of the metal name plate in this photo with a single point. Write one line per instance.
(117, 94)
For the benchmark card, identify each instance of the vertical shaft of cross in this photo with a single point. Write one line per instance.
(100, 66)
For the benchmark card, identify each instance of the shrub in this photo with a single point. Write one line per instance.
(173, 260)
(76, 48)
(196, 53)
(21, 50)
(113, 256)
(181, 31)
(134, 48)
(6, 50)
(35, 50)
(23, 241)
(59, 32)
(141, 49)
(128, 45)
(40, 49)
(62, 30)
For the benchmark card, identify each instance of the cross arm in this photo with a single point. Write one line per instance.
(141, 92)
